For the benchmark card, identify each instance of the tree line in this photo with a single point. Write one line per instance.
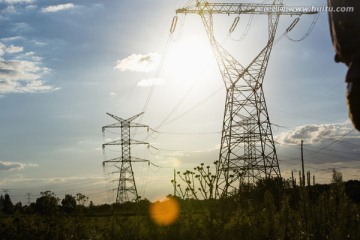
(268, 209)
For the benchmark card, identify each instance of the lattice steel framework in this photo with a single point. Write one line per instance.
(126, 190)
(247, 151)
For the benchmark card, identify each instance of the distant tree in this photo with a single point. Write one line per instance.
(7, 205)
(1, 203)
(18, 207)
(81, 199)
(337, 177)
(30, 209)
(47, 203)
(68, 204)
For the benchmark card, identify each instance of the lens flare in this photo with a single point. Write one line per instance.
(165, 213)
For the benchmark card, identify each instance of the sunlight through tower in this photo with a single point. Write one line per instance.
(247, 150)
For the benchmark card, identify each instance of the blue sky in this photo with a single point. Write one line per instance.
(64, 64)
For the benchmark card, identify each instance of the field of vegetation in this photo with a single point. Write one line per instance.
(270, 209)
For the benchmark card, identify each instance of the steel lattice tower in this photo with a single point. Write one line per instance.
(247, 150)
(126, 190)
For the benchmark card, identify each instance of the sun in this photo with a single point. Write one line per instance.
(189, 58)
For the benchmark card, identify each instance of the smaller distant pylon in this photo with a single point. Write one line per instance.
(126, 190)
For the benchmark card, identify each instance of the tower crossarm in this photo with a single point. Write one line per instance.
(114, 125)
(125, 120)
(120, 142)
(244, 8)
(138, 125)
(119, 159)
(116, 142)
(134, 159)
(138, 142)
(116, 117)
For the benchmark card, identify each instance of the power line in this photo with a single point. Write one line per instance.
(185, 133)
(336, 140)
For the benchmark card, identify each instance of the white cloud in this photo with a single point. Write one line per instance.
(150, 82)
(21, 27)
(20, 76)
(139, 62)
(17, 1)
(11, 166)
(12, 3)
(10, 9)
(313, 133)
(30, 56)
(113, 94)
(39, 43)
(14, 49)
(57, 8)
(11, 38)
(2, 50)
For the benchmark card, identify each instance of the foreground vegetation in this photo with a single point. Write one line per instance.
(272, 209)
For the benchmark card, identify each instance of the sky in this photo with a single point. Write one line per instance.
(65, 64)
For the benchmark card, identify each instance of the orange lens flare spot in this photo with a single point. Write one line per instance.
(165, 213)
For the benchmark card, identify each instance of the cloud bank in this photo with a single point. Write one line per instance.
(139, 62)
(11, 166)
(313, 133)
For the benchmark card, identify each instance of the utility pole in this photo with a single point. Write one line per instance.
(174, 183)
(126, 190)
(308, 177)
(247, 149)
(302, 163)
(314, 180)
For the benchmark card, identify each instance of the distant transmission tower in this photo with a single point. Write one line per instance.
(126, 190)
(28, 195)
(247, 151)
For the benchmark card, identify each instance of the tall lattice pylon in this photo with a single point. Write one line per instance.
(247, 150)
(126, 190)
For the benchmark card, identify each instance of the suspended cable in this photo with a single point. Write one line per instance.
(184, 133)
(331, 150)
(181, 150)
(191, 108)
(156, 76)
(336, 140)
(165, 121)
(152, 88)
(306, 34)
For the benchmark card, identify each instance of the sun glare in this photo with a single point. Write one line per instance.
(189, 58)
(166, 212)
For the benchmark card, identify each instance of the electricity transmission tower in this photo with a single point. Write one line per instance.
(28, 198)
(247, 150)
(126, 190)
